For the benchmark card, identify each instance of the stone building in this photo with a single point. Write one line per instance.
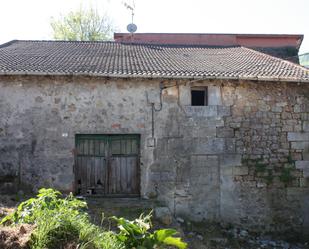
(214, 133)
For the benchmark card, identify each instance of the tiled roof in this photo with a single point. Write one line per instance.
(114, 59)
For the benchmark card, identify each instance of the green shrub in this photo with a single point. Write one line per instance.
(47, 201)
(136, 234)
(63, 221)
(60, 221)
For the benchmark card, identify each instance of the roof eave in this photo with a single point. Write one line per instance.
(153, 76)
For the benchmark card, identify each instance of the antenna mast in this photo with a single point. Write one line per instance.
(131, 27)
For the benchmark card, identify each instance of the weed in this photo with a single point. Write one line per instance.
(290, 159)
(60, 221)
(260, 167)
(269, 178)
(64, 221)
(136, 234)
(286, 177)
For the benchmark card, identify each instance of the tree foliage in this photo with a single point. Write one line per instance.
(83, 25)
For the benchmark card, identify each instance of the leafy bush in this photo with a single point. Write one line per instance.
(136, 234)
(60, 221)
(64, 221)
(47, 201)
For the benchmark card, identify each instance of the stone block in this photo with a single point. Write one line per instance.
(167, 176)
(204, 161)
(228, 171)
(240, 170)
(181, 193)
(182, 206)
(225, 132)
(298, 136)
(235, 125)
(229, 198)
(305, 155)
(264, 107)
(184, 95)
(304, 182)
(218, 122)
(297, 193)
(214, 95)
(306, 172)
(230, 160)
(302, 164)
(297, 108)
(204, 131)
(281, 104)
(287, 128)
(177, 145)
(261, 185)
(209, 146)
(201, 111)
(305, 125)
(155, 177)
(300, 145)
(230, 145)
(276, 109)
(153, 96)
(151, 142)
(163, 214)
(224, 111)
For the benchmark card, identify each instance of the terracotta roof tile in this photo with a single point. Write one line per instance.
(115, 59)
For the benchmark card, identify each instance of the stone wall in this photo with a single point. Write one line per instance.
(41, 116)
(244, 159)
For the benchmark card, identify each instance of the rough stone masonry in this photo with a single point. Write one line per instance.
(243, 159)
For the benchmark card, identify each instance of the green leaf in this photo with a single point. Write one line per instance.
(149, 243)
(162, 234)
(175, 242)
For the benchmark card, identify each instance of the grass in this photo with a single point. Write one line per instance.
(64, 223)
(60, 222)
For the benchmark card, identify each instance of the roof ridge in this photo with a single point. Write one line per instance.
(198, 33)
(278, 59)
(125, 43)
(176, 45)
(8, 43)
(64, 41)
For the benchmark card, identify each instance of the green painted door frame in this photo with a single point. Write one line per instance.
(107, 165)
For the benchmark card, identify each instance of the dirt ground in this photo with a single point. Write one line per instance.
(203, 235)
(198, 235)
(15, 237)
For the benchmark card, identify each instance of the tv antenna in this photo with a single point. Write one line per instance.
(131, 27)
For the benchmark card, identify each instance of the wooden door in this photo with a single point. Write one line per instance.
(107, 165)
(123, 171)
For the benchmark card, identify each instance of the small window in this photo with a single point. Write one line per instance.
(199, 96)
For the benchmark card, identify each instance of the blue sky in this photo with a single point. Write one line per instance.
(30, 19)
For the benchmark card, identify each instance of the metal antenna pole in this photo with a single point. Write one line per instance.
(131, 27)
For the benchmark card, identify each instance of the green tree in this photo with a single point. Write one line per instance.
(83, 25)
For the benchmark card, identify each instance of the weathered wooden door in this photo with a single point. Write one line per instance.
(107, 165)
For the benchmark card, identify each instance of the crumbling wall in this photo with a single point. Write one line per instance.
(40, 117)
(243, 159)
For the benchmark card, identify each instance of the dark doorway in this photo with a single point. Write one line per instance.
(107, 165)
